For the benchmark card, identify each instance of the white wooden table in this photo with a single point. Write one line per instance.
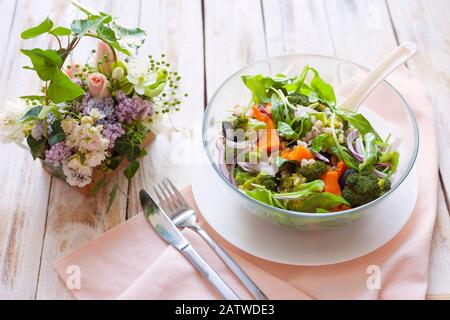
(42, 219)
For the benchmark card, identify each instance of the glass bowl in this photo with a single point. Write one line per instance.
(387, 110)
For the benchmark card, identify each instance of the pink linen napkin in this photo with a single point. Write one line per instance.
(131, 262)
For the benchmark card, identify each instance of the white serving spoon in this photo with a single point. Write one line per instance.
(384, 68)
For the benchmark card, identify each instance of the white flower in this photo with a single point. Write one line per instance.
(87, 120)
(96, 114)
(11, 130)
(117, 73)
(139, 75)
(75, 177)
(94, 159)
(68, 125)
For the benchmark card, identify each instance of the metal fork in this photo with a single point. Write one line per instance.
(183, 215)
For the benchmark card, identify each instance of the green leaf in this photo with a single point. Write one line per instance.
(37, 147)
(57, 135)
(131, 169)
(43, 27)
(359, 122)
(370, 151)
(265, 196)
(82, 26)
(256, 124)
(112, 196)
(298, 82)
(32, 97)
(100, 183)
(286, 131)
(258, 86)
(323, 89)
(117, 46)
(45, 62)
(154, 89)
(322, 200)
(131, 37)
(125, 148)
(106, 32)
(241, 176)
(55, 138)
(31, 114)
(63, 89)
(61, 31)
(85, 9)
(323, 140)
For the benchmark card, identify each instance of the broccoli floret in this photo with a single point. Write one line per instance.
(240, 122)
(361, 188)
(269, 182)
(298, 99)
(385, 184)
(291, 183)
(312, 171)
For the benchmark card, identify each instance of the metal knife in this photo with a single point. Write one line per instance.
(167, 230)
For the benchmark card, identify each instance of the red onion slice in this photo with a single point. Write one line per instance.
(379, 174)
(263, 110)
(263, 167)
(350, 138)
(321, 157)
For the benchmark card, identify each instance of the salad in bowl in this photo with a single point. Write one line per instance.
(292, 148)
(276, 135)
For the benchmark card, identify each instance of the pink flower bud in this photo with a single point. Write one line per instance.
(105, 56)
(98, 85)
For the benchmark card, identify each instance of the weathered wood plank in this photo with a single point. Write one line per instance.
(234, 37)
(8, 8)
(296, 26)
(440, 255)
(24, 186)
(427, 24)
(72, 218)
(175, 28)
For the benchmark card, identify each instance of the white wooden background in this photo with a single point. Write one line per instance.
(42, 219)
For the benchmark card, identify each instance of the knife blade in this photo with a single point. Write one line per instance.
(169, 232)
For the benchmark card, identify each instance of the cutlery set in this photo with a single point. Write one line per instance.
(173, 212)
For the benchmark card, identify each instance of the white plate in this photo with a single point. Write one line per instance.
(267, 241)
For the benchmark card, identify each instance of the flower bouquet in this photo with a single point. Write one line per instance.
(91, 119)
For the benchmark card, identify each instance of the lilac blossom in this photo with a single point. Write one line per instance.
(129, 109)
(57, 153)
(112, 131)
(104, 105)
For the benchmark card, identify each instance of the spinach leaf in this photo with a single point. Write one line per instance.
(241, 176)
(324, 141)
(295, 85)
(323, 89)
(359, 122)
(265, 196)
(320, 201)
(286, 131)
(301, 125)
(305, 189)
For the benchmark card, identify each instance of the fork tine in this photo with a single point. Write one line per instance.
(158, 195)
(178, 193)
(173, 197)
(167, 199)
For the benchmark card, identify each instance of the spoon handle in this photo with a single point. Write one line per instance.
(393, 60)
